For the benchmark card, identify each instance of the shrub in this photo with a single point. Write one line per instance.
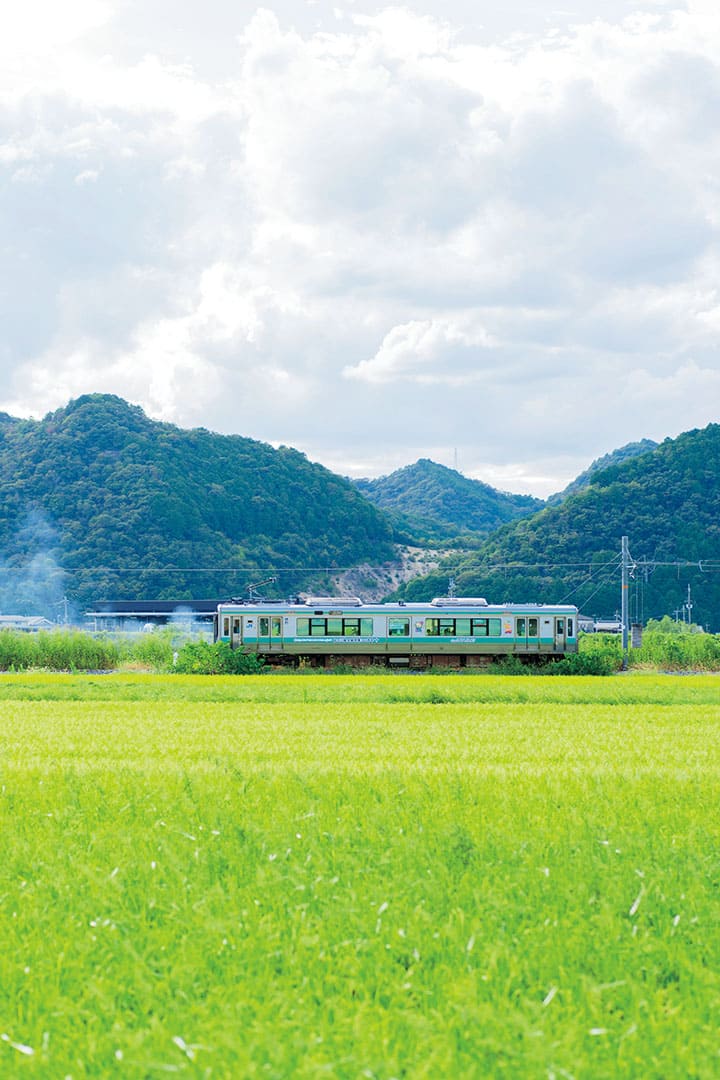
(511, 665)
(202, 658)
(595, 662)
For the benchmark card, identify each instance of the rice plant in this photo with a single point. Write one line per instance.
(411, 876)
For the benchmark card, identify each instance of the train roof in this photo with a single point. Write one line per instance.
(327, 604)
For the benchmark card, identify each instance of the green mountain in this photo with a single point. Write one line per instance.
(615, 457)
(429, 503)
(98, 501)
(667, 502)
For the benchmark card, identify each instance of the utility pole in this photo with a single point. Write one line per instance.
(625, 565)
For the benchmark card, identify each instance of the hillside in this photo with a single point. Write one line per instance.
(615, 457)
(667, 502)
(130, 508)
(429, 502)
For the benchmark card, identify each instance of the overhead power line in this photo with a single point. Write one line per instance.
(705, 566)
(495, 564)
(605, 580)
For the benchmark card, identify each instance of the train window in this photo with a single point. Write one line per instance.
(276, 626)
(570, 628)
(432, 627)
(398, 628)
(236, 625)
(489, 628)
(532, 627)
(334, 627)
(462, 627)
(447, 627)
(559, 626)
(520, 627)
(226, 626)
(263, 626)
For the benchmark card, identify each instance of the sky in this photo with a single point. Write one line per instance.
(483, 234)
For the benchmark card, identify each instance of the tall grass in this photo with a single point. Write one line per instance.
(154, 651)
(686, 651)
(73, 650)
(669, 652)
(166, 650)
(57, 650)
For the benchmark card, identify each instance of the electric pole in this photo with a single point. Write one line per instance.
(625, 565)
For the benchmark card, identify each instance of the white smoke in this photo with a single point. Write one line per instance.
(185, 623)
(32, 581)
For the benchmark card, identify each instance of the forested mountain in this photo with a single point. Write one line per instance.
(667, 502)
(429, 502)
(615, 457)
(98, 501)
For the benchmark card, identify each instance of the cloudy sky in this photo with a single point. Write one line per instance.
(481, 234)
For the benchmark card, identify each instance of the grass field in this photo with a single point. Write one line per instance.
(401, 876)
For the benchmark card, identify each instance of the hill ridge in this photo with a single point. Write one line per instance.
(432, 502)
(97, 486)
(667, 502)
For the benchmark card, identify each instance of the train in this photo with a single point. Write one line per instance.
(449, 631)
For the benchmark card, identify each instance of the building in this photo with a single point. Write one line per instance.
(137, 615)
(29, 624)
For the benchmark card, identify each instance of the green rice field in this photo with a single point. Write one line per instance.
(359, 877)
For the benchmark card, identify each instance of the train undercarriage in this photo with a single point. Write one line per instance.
(414, 662)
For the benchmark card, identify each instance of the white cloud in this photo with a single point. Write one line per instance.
(427, 351)
(38, 28)
(404, 35)
(391, 217)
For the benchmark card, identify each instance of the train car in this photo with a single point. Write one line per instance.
(448, 631)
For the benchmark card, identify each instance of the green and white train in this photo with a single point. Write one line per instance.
(446, 632)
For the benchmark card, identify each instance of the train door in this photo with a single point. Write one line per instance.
(270, 633)
(526, 633)
(235, 630)
(547, 631)
(560, 626)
